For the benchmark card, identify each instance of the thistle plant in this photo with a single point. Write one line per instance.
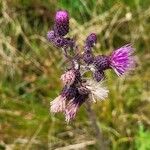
(78, 87)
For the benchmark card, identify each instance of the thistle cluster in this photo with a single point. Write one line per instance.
(77, 86)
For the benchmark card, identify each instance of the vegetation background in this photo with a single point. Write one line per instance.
(30, 69)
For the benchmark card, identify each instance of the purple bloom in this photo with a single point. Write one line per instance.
(72, 97)
(101, 62)
(59, 103)
(61, 26)
(73, 106)
(91, 40)
(77, 87)
(121, 60)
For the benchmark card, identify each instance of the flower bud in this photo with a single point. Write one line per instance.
(91, 40)
(61, 26)
(101, 62)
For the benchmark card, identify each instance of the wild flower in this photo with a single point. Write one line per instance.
(79, 88)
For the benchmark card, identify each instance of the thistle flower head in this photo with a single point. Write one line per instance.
(78, 89)
(59, 103)
(121, 60)
(101, 62)
(91, 40)
(73, 106)
(61, 26)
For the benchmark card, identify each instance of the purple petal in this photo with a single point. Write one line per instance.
(122, 60)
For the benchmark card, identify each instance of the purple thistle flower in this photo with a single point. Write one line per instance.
(78, 89)
(121, 60)
(59, 103)
(101, 62)
(61, 26)
(73, 106)
(91, 40)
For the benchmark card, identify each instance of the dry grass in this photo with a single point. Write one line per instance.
(30, 69)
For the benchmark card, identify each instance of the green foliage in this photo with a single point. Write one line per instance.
(142, 141)
(30, 69)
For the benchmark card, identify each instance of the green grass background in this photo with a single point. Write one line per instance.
(30, 69)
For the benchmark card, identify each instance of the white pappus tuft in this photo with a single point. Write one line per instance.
(98, 91)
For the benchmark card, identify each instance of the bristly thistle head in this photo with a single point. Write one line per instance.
(101, 62)
(73, 106)
(78, 87)
(61, 26)
(91, 40)
(122, 60)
